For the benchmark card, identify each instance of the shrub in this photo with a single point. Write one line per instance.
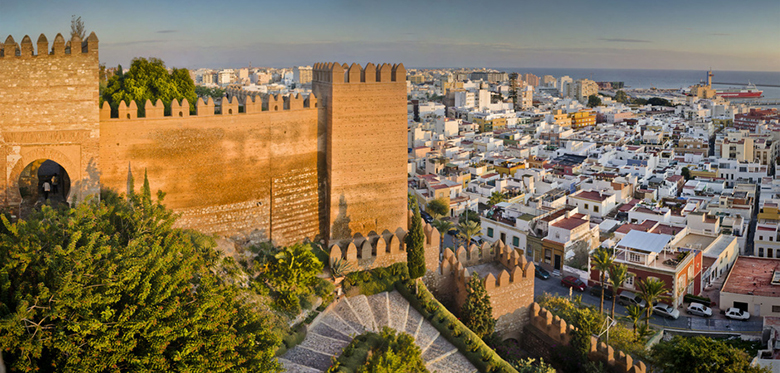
(688, 298)
(377, 280)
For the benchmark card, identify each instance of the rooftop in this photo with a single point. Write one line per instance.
(753, 276)
(570, 223)
(591, 195)
(695, 241)
(644, 241)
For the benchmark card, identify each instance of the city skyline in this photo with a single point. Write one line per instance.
(560, 34)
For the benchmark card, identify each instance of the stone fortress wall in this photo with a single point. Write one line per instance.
(281, 168)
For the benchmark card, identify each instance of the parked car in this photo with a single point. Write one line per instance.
(665, 310)
(542, 273)
(699, 310)
(426, 217)
(574, 282)
(628, 298)
(737, 314)
(476, 240)
(453, 232)
(595, 290)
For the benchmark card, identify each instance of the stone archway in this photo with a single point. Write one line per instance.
(13, 194)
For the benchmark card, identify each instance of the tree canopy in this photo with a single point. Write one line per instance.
(77, 27)
(700, 354)
(111, 286)
(397, 353)
(415, 246)
(148, 79)
(477, 313)
(594, 100)
(438, 208)
(622, 97)
(657, 101)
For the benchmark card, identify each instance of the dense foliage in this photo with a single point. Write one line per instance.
(415, 249)
(700, 354)
(477, 313)
(150, 80)
(112, 286)
(594, 100)
(438, 208)
(387, 352)
(213, 92)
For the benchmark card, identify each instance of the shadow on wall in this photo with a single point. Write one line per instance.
(340, 229)
(86, 185)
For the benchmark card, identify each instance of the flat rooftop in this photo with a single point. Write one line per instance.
(753, 276)
(695, 241)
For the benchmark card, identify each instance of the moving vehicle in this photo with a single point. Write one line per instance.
(628, 298)
(665, 310)
(737, 314)
(574, 282)
(699, 310)
(595, 290)
(541, 273)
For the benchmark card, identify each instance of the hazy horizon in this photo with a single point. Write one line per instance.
(666, 35)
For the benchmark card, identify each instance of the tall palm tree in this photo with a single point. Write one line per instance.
(634, 314)
(652, 291)
(602, 261)
(468, 229)
(618, 274)
(443, 226)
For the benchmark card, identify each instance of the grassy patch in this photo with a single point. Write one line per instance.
(377, 280)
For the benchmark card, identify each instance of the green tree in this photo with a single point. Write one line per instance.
(686, 173)
(657, 101)
(150, 80)
(622, 97)
(477, 313)
(291, 271)
(651, 290)
(415, 247)
(532, 366)
(438, 208)
(618, 274)
(398, 353)
(467, 230)
(699, 355)
(602, 260)
(213, 92)
(112, 286)
(469, 215)
(634, 314)
(640, 101)
(594, 100)
(496, 198)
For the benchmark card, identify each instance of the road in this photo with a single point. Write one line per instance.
(751, 234)
(717, 323)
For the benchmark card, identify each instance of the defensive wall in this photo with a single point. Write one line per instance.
(545, 332)
(281, 168)
(508, 278)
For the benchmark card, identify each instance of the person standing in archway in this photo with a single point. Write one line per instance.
(54, 184)
(46, 190)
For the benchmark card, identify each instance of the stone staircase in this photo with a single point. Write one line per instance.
(332, 330)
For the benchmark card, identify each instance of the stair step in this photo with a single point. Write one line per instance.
(324, 329)
(453, 363)
(399, 308)
(323, 344)
(426, 334)
(310, 358)
(362, 309)
(291, 367)
(438, 349)
(333, 320)
(413, 322)
(344, 310)
(379, 305)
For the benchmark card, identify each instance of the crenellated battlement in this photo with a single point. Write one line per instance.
(232, 105)
(11, 49)
(560, 333)
(334, 73)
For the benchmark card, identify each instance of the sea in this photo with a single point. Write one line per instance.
(674, 79)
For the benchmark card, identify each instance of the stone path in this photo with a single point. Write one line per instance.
(332, 330)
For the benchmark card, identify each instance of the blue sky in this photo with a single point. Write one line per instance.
(662, 34)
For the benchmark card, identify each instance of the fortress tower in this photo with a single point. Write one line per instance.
(362, 154)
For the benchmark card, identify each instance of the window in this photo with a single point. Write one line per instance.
(548, 256)
(634, 257)
(516, 241)
(761, 252)
(595, 208)
(490, 232)
(586, 206)
(770, 238)
(775, 309)
(629, 280)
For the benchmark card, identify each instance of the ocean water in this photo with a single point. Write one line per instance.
(676, 79)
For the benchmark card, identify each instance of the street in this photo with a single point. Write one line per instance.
(716, 323)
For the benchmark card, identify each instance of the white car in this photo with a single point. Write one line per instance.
(699, 309)
(666, 310)
(737, 314)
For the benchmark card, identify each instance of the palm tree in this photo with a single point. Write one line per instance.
(468, 229)
(652, 290)
(634, 314)
(618, 274)
(496, 197)
(443, 226)
(602, 261)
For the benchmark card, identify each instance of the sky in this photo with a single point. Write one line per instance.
(620, 34)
